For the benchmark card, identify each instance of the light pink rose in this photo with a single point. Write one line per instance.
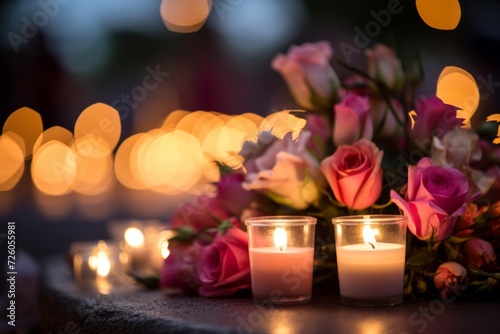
(352, 119)
(458, 149)
(354, 174)
(307, 72)
(434, 118)
(478, 253)
(385, 66)
(179, 268)
(450, 279)
(435, 198)
(286, 172)
(224, 265)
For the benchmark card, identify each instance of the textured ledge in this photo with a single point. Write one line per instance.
(67, 309)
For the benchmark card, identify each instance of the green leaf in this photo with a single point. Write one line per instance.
(225, 226)
(457, 240)
(420, 260)
(149, 282)
(185, 234)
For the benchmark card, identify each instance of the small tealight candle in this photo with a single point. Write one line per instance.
(371, 259)
(281, 258)
(160, 251)
(95, 265)
(137, 240)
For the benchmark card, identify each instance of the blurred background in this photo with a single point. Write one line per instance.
(60, 56)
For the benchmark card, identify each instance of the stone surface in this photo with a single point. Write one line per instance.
(65, 308)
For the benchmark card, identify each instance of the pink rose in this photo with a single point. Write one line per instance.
(286, 172)
(354, 174)
(179, 268)
(224, 265)
(434, 118)
(308, 74)
(200, 213)
(478, 253)
(436, 197)
(232, 196)
(384, 65)
(352, 119)
(450, 279)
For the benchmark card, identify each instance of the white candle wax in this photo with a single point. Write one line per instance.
(366, 273)
(281, 273)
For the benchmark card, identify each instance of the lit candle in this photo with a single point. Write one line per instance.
(281, 258)
(160, 251)
(94, 266)
(136, 250)
(371, 272)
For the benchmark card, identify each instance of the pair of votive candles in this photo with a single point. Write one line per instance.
(370, 253)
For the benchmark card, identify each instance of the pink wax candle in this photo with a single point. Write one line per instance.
(281, 258)
(280, 274)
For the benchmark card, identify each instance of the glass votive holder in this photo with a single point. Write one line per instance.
(137, 241)
(281, 250)
(96, 266)
(160, 248)
(370, 259)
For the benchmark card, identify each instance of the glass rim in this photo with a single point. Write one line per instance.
(281, 220)
(373, 219)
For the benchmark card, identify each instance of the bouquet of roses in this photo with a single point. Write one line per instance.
(368, 146)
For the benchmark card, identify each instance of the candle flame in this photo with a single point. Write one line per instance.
(369, 237)
(100, 263)
(280, 239)
(103, 264)
(134, 237)
(165, 252)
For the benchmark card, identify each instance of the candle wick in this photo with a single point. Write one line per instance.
(281, 248)
(373, 246)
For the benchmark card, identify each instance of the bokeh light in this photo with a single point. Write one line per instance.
(54, 133)
(12, 158)
(185, 16)
(26, 123)
(442, 14)
(53, 168)
(458, 87)
(97, 130)
(124, 162)
(134, 237)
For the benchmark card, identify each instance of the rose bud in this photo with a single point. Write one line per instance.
(450, 279)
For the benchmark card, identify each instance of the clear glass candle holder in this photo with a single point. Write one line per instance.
(96, 266)
(281, 252)
(370, 259)
(138, 243)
